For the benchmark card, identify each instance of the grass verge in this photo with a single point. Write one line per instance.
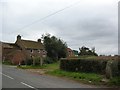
(115, 81)
(84, 77)
(88, 78)
(7, 63)
(50, 67)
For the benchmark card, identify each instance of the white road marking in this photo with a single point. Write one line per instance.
(27, 85)
(6, 75)
(21, 82)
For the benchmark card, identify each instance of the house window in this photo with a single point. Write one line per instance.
(31, 51)
(44, 52)
(38, 51)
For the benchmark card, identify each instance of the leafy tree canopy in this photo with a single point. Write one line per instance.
(86, 51)
(55, 47)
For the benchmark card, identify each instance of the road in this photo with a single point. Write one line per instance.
(18, 78)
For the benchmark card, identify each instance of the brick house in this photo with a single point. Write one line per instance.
(70, 52)
(22, 50)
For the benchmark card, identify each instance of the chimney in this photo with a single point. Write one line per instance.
(39, 40)
(18, 37)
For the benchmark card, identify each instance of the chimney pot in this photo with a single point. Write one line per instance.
(39, 40)
(18, 37)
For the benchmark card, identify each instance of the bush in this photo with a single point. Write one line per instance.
(48, 60)
(115, 81)
(23, 62)
(84, 65)
(7, 62)
(37, 60)
(29, 62)
(119, 67)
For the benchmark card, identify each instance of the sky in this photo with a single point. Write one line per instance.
(90, 23)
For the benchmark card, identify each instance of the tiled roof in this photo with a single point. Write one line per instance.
(6, 45)
(32, 44)
(9, 45)
(69, 49)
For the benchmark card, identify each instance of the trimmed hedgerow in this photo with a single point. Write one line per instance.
(119, 67)
(83, 65)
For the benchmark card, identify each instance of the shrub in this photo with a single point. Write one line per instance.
(7, 62)
(84, 65)
(23, 62)
(119, 67)
(37, 60)
(29, 62)
(48, 60)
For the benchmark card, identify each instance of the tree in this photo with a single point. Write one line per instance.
(86, 51)
(56, 48)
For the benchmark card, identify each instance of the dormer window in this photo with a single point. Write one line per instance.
(31, 51)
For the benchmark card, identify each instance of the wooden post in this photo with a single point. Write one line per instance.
(33, 60)
(19, 64)
(41, 61)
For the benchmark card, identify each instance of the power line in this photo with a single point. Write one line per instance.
(39, 20)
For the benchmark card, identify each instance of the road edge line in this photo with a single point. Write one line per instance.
(7, 76)
(27, 85)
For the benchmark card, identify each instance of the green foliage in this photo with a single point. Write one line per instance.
(119, 67)
(115, 81)
(94, 78)
(7, 62)
(87, 51)
(31, 67)
(56, 48)
(50, 67)
(75, 52)
(36, 60)
(29, 62)
(48, 60)
(84, 65)
(91, 78)
(32, 61)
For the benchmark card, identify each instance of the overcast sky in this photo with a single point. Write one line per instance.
(91, 23)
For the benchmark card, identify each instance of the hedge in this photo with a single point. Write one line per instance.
(119, 67)
(84, 65)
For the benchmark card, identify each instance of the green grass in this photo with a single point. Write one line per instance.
(45, 66)
(115, 81)
(86, 57)
(7, 63)
(53, 66)
(92, 78)
(84, 77)
(31, 67)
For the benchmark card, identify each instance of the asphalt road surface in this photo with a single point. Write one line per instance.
(17, 78)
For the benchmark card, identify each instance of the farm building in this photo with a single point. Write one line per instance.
(22, 50)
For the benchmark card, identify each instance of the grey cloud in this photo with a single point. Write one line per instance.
(86, 23)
